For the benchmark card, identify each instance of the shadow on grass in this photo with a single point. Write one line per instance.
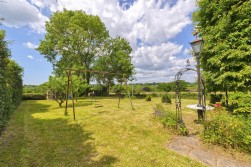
(51, 141)
(78, 104)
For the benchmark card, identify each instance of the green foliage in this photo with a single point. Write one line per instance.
(171, 86)
(215, 98)
(73, 39)
(230, 131)
(57, 86)
(167, 117)
(116, 59)
(166, 87)
(240, 102)
(117, 89)
(10, 82)
(188, 95)
(148, 98)
(77, 40)
(33, 96)
(166, 99)
(169, 120)
(225, 27)
(154, 94)
(35, 88)
(146, 89)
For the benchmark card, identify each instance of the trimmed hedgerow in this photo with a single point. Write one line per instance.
(10, 82)
(33, 96)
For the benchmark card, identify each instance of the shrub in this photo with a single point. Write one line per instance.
(3, 123)
(146, 89)
(33, 96)
(240, 103)
(148, 98)
(166, 99)
(167, 117)
(215, 98)
(154, 94)
(229, 131)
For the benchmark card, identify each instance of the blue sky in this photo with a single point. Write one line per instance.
(159, 32)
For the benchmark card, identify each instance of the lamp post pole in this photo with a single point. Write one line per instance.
(200, 112)
(197, 47)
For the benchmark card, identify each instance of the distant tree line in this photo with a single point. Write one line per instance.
(10, 82)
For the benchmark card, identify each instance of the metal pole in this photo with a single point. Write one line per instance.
(200, 112)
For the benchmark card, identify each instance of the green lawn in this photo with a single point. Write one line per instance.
(40, 135)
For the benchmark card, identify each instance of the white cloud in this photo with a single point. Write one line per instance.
(156, 57)
(30, 45)
(52, 4)
(149, 25)
(160, 63)
(30, 57)
(151, 21)
(19, 13)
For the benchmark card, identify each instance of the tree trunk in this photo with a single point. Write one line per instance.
(226, 98)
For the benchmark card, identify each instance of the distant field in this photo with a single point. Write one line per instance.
(103, 135)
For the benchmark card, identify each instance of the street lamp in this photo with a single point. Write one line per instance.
(197, 46)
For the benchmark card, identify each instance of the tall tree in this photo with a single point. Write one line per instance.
(225, 26)
(73, 40)
(116, 59)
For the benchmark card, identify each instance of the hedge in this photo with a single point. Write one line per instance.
(33, 96)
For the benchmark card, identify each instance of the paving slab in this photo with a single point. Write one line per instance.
(191, 146)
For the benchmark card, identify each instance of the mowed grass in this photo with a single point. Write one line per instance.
(39, 134)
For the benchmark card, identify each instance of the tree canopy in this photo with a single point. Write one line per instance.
(77, 40)
(225, 26)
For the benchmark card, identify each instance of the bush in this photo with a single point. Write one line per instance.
(3, 123)
(148, 98)
(240, 103)
(154, 94)
(33, 96)
(166, 99)
(215, 98)
(229, 131)
(167, 118)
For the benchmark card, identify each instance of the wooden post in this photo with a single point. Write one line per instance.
(119, 93)
(72, 97)
(67, 91)
(128, 92)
